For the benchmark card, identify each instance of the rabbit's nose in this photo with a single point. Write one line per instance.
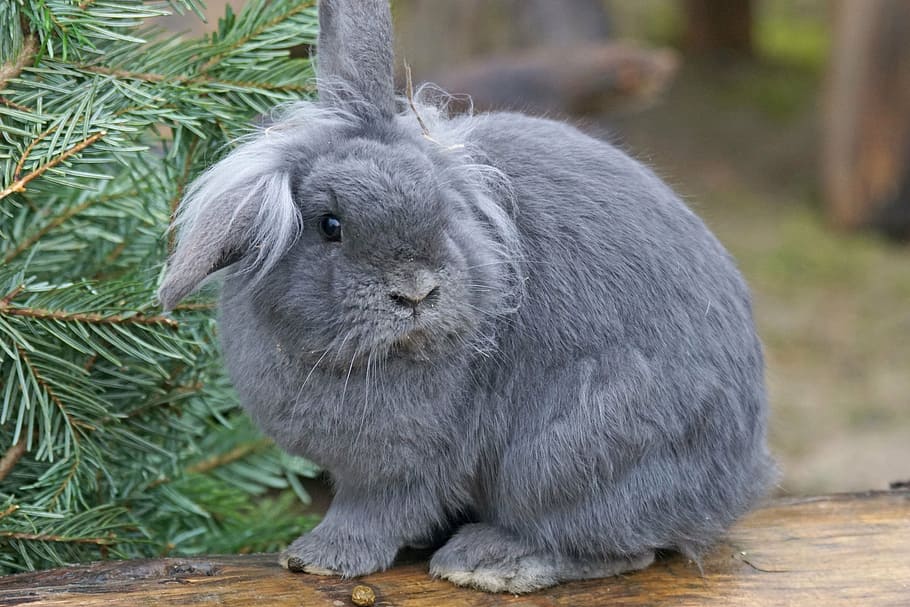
(422, 287)
(412, 299)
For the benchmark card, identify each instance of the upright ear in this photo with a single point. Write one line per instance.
(354, 57)
(240, 209)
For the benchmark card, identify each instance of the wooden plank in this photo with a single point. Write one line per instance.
(851, 550)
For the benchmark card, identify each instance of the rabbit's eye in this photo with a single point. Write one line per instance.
(330, 228)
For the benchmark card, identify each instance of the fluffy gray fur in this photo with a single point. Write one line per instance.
(580, 385)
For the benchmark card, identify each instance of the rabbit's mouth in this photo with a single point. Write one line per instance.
(421, 343)
(413, 342)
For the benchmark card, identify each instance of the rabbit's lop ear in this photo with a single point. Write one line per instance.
(354, 57)
(239, 209)
(215, 243)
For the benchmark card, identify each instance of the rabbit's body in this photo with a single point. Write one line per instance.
(526, 331)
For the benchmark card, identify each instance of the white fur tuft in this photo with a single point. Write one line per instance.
(258, 172)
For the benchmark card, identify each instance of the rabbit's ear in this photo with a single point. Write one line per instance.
(235, 211)
(354, 57)
(216, 242)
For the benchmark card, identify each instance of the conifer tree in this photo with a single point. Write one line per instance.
(119, 434)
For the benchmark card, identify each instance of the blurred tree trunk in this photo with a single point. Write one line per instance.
(435, 35)
(866, 135)
(718, 27)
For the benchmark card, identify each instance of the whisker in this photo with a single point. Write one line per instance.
(344, 390)
(366, 398)
(341, 347)
(296, 406)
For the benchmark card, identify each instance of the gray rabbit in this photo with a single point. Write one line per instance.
(496, 333)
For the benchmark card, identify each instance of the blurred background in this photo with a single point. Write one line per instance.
(785, 124)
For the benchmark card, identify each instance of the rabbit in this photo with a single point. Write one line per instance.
(499, 336)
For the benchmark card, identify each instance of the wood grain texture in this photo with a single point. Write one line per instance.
(851, 550)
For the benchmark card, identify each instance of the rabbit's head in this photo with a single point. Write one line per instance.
(344, 222)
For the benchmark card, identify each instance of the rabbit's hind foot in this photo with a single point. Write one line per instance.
(487, 558)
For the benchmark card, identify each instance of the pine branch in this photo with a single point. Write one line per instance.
(51, 394)
(38, 537)
(88, 318)
(219, 461)
(28, 150)
(74, 468)
(195, 80)
(168, 384)
(10, 459)
(56, 222)
(7, 308)
(226, 458)
(9, 297)
(19, 185)
(186, 307)
(299, 8)
(11, 104)
(112, 257)
(11, 70)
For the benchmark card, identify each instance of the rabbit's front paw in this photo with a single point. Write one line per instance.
(327, 553)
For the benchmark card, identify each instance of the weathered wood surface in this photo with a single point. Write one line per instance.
(851, 550)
